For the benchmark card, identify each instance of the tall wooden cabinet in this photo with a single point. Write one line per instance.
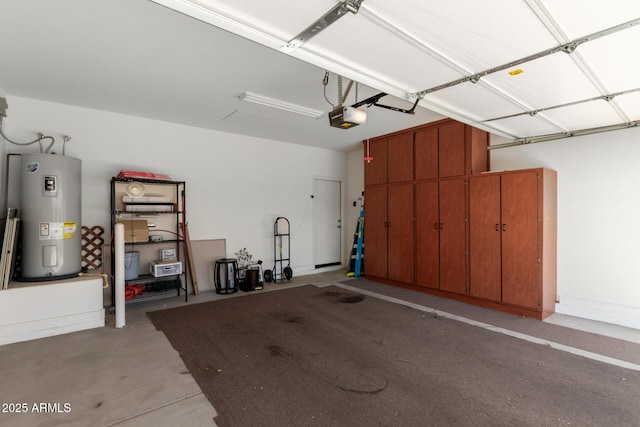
(415, 191)
(440, 217)
(437, 221)
(390, 221)
(375, 235)
(512, 229)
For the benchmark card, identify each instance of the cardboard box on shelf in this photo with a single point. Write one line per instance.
(135, 231)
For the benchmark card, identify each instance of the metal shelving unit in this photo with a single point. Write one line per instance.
(166, 221)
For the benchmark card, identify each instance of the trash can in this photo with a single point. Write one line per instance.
(131, 265)
(250, 281)
(225, 276)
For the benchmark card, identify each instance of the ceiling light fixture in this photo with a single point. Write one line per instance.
(281, 105)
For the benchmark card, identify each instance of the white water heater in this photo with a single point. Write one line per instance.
(51, 212)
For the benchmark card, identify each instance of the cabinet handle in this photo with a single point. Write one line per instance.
(504, 227)
(435, 226)
(441, 226)
(388, 223)
(497, 227)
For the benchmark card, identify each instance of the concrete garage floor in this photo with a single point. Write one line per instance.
(133, 377)
(107, 376)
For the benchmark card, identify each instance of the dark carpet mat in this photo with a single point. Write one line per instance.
(327, 357)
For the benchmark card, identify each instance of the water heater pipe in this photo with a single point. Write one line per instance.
(119, 275)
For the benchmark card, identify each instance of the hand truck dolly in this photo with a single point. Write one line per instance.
(281, 235)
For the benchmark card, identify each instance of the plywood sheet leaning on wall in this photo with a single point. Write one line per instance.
(204, 255)
(190, 261)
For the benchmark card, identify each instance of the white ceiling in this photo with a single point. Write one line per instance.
(188, 61)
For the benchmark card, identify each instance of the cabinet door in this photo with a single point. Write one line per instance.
(375, 172)
(451, 150)
(485, 265)
(479, 154)
(400, 233)
(400, 158)
(427, 235)
(375, 231)
(520, 239)
(426, 153)
(453, 236)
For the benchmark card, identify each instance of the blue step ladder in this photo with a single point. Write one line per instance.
(356, 262)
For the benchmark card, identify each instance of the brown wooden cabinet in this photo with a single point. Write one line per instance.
(389, 221)
(426, 153)
(400, 158)
(425, 246)
(450, 149)
(484, 238)
(389, 232)
(435, 222)
(375, 171)
(400, 258)
(392, 160)
(440, 151)
(512, 238)
(375, 235)
(440, 212)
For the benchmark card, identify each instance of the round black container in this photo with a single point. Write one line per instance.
(225, 276)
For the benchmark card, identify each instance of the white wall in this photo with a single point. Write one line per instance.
(598, 220)
(354, 189)
(236, 185)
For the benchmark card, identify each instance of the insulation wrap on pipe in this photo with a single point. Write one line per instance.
(119, 275)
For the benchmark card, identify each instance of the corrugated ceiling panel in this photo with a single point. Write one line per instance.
(282, 18)
(524, 126)
(630, 104)
(476, 34)
(546, 82)
(587, 115)
(614, 59)
(475, 101)
(579, 18)
(367, 47)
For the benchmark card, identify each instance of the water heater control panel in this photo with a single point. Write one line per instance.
(50, 185)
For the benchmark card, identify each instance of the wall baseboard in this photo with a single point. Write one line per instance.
(599, 311)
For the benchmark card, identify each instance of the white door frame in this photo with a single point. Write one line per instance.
(317, 223)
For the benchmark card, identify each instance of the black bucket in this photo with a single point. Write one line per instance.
(251, 278)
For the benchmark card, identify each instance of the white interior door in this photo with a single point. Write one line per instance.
(327, 222)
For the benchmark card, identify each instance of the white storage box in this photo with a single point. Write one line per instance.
(166, 268)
